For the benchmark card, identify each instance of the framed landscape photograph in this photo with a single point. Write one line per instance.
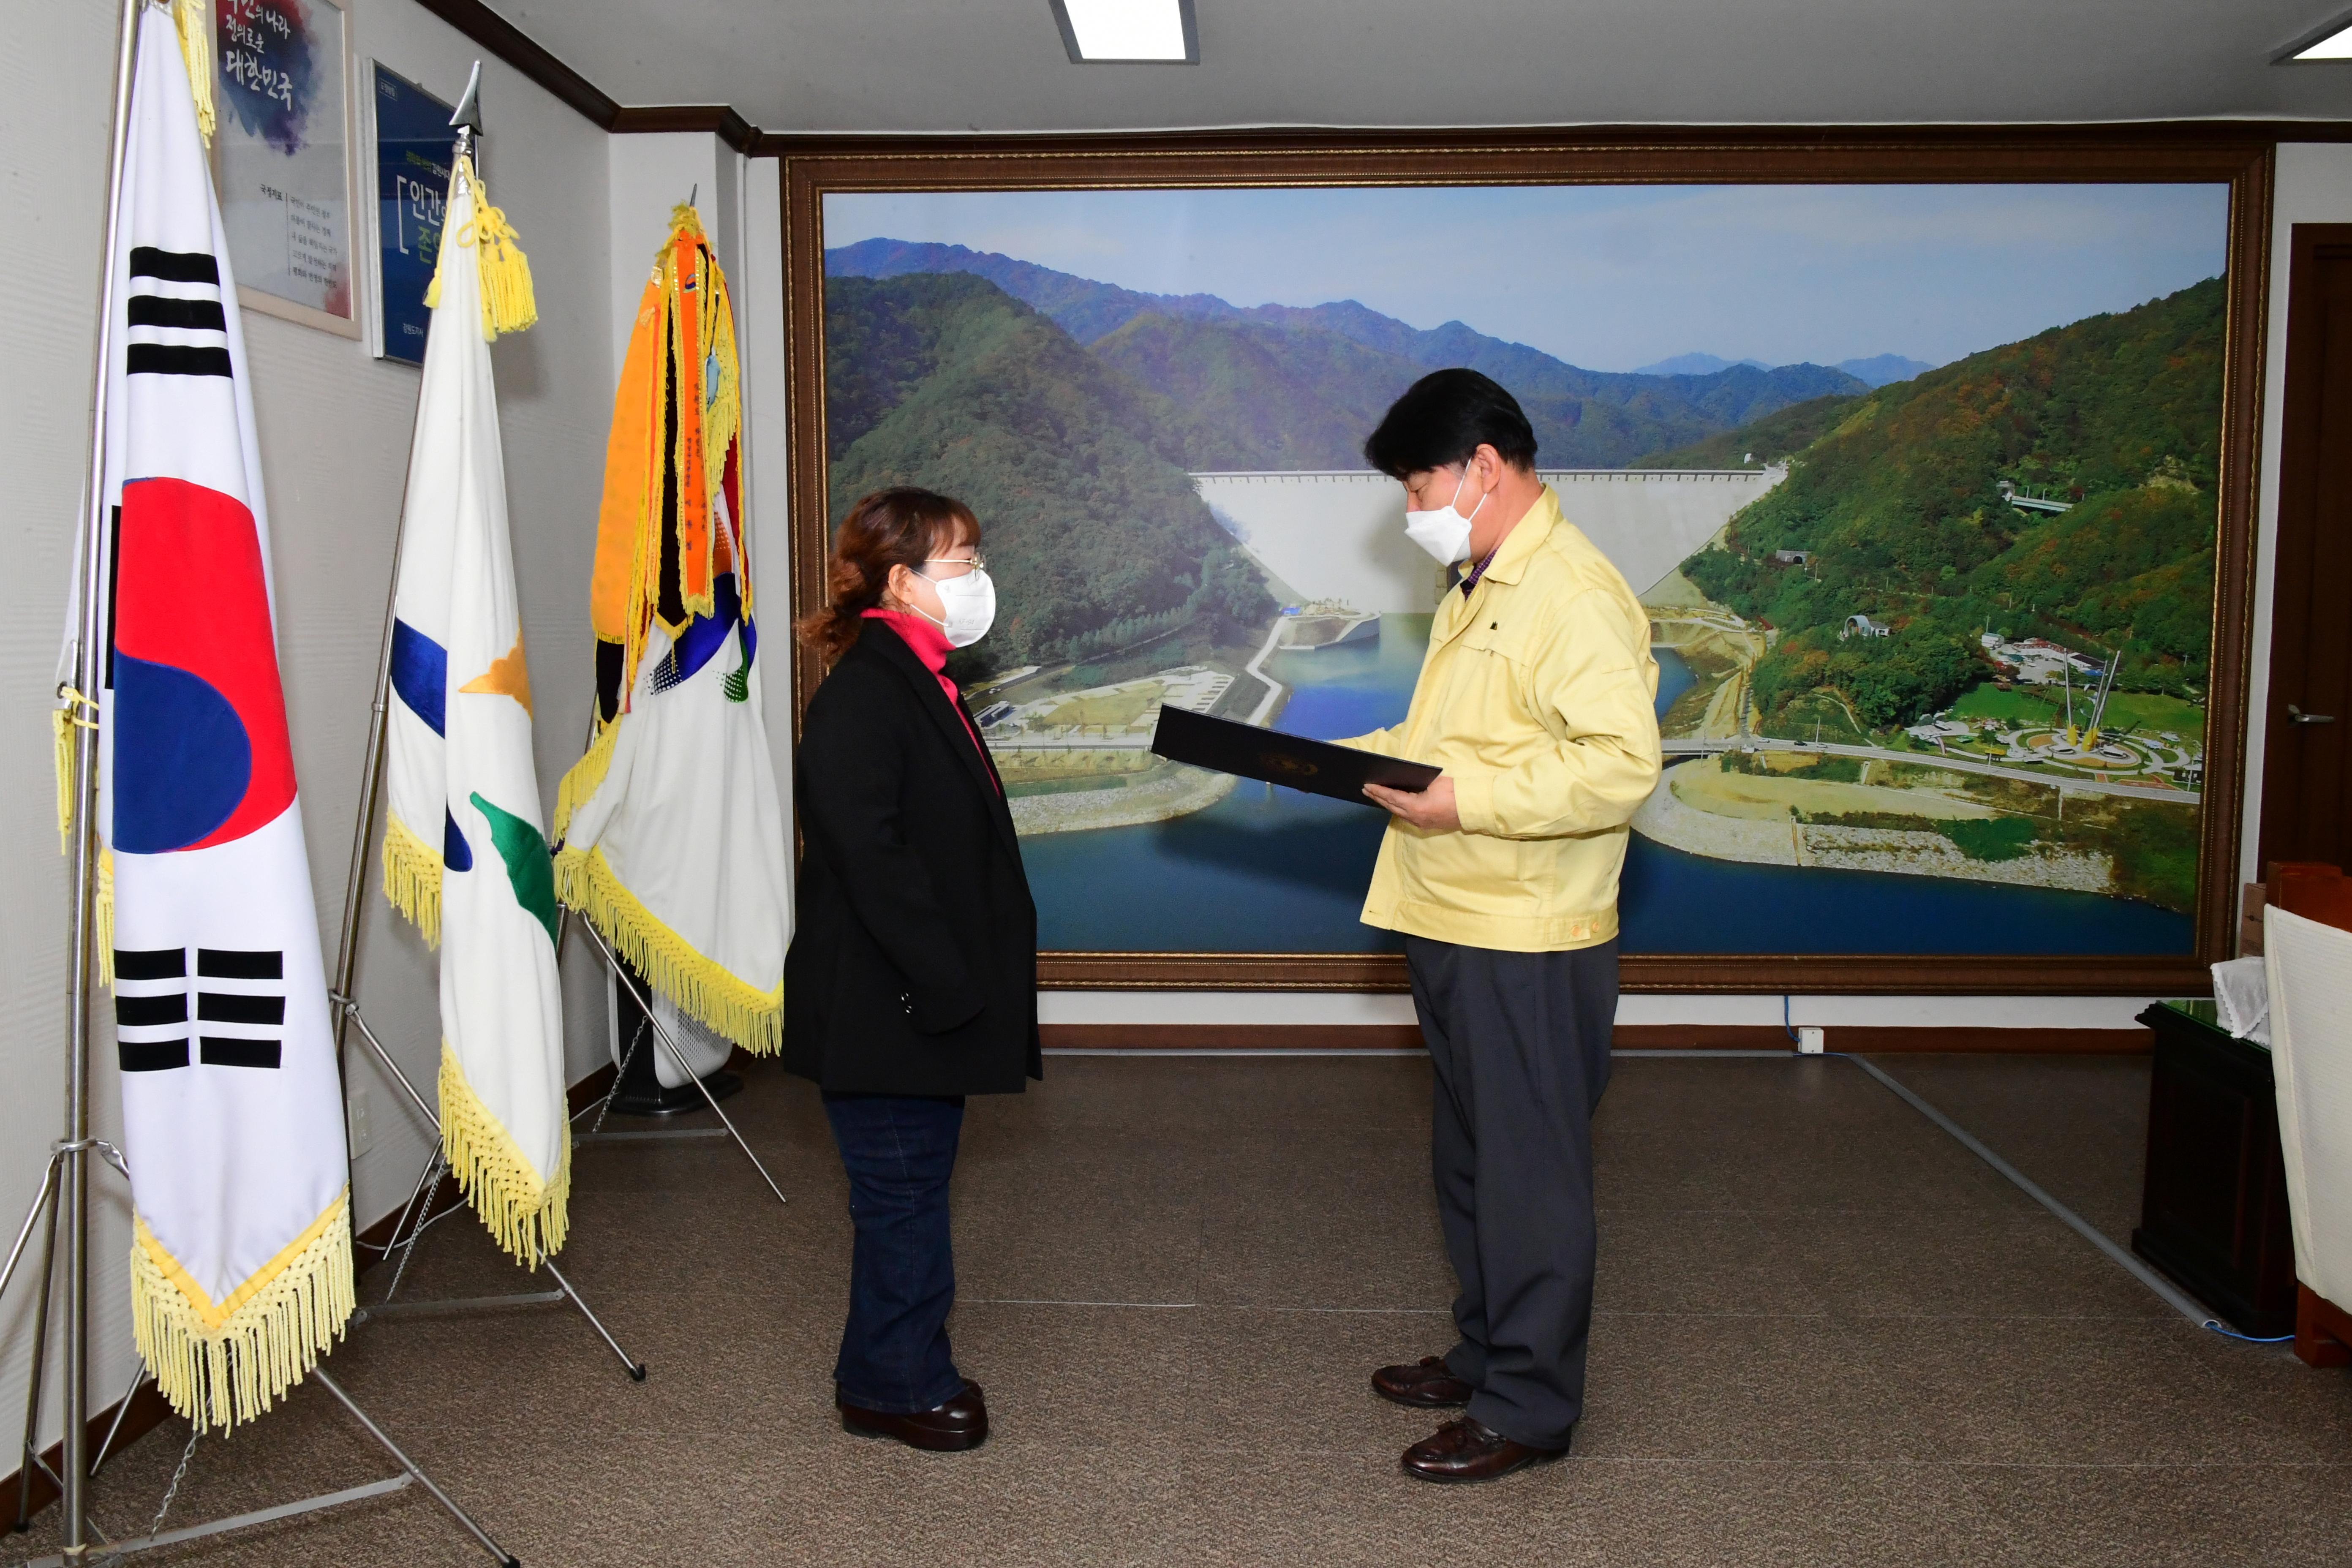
(1931, 457)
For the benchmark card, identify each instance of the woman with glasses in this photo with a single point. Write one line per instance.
(912, 978)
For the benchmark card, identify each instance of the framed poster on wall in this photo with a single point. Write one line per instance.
(1929, 455)
(282, 152)
(413, 145)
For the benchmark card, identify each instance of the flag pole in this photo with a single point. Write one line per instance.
(74, 1148)
(467, 122)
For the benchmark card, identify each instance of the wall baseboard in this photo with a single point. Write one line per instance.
(1629, 1036)
(148, 1408)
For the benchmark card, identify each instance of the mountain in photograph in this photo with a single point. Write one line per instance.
(1760, 444)
(1883, 370)
(1695, 364)
(1902, 514)
(1876, 371)
(1075, 470)
(1282, 387)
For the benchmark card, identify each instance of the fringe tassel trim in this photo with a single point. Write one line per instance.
(102, 917)
(412, 878)
(528, 1214)
(220, 1365)
(194, 20)
(586, 777)
(508, 304)
(63, 721)
(752, 1018)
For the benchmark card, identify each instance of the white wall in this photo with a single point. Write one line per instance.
(334, 431)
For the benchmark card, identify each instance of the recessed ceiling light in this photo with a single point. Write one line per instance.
(2335, 44)
(1128, 32)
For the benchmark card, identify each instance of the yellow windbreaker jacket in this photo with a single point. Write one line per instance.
(1537, 696)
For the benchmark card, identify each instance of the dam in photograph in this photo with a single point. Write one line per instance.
(1339, 535)
(1266, 870)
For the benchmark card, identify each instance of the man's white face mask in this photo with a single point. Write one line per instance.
(1444, 531)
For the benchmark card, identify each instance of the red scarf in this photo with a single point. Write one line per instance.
(930, 646)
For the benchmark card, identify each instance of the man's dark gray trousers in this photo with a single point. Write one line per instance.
(1520, 1044)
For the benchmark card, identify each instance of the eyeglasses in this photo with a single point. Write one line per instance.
(975, 561)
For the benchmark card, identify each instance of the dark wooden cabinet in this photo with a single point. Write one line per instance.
(2214, 1211)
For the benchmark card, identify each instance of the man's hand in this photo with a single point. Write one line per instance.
(1432, 810)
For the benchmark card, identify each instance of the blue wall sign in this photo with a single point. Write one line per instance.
(412, 143)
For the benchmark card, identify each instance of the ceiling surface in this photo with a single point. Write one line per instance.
(999, 65)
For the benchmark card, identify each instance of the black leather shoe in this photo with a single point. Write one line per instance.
(1426, 1384)
(961, 1423)
(1469, 1451)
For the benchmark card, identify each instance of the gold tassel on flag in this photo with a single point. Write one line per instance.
(527, 1215)
(194, 20)
(411, 878)
(218, 1365)
(508, 304)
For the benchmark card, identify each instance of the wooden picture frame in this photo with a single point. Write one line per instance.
(2236, 155)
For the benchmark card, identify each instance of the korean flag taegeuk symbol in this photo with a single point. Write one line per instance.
(201, 753)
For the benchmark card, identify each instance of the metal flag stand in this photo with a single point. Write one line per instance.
(64, 1194)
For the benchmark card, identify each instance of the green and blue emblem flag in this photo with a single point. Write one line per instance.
(232, 1109)
(672, 835)
(465, 852)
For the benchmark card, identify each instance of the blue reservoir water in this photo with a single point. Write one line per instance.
(1268, 869)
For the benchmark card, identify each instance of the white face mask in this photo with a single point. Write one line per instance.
(969, 601)
(1444, 531)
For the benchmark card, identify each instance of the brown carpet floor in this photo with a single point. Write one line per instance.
(1825, 1334)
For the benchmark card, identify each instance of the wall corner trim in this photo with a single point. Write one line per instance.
(718, 119)
(593, 103)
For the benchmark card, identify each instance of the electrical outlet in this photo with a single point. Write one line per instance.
(356, 1116)
(1810, 1039)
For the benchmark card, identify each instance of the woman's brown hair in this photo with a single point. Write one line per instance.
(902, 526)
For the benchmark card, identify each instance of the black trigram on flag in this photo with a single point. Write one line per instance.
(239, 1008)
(177, 326)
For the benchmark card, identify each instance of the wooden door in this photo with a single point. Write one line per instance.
(2307, 802)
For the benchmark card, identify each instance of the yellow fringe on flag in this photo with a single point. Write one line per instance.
(752, 1019)
(586, 777)
(194, 20)
(61, 724)
(219, 1365)
(529, 1216)
(103, 916)
(508, 304)
(412, 878)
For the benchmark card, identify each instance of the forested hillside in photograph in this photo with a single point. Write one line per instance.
(1900, 511)
(1074, 469)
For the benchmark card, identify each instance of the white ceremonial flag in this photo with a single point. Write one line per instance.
(241, 1262)
(465, 853)
(672, 835)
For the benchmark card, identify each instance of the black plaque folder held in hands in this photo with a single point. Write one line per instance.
(1317, 767)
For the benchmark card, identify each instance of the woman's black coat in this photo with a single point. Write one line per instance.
(913, 967)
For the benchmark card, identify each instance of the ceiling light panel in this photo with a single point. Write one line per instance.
(1128, 32)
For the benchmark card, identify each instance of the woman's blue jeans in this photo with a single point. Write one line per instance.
(900, 1151)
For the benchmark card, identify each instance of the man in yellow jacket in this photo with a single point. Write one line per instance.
(1536, 698)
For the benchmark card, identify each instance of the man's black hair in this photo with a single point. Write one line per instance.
(1443, 418)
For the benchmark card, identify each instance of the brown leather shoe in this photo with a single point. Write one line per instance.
(961, 1423)
(1468, 1450)
(1426, 1383)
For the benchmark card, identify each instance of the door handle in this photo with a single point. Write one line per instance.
(2296, 715)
